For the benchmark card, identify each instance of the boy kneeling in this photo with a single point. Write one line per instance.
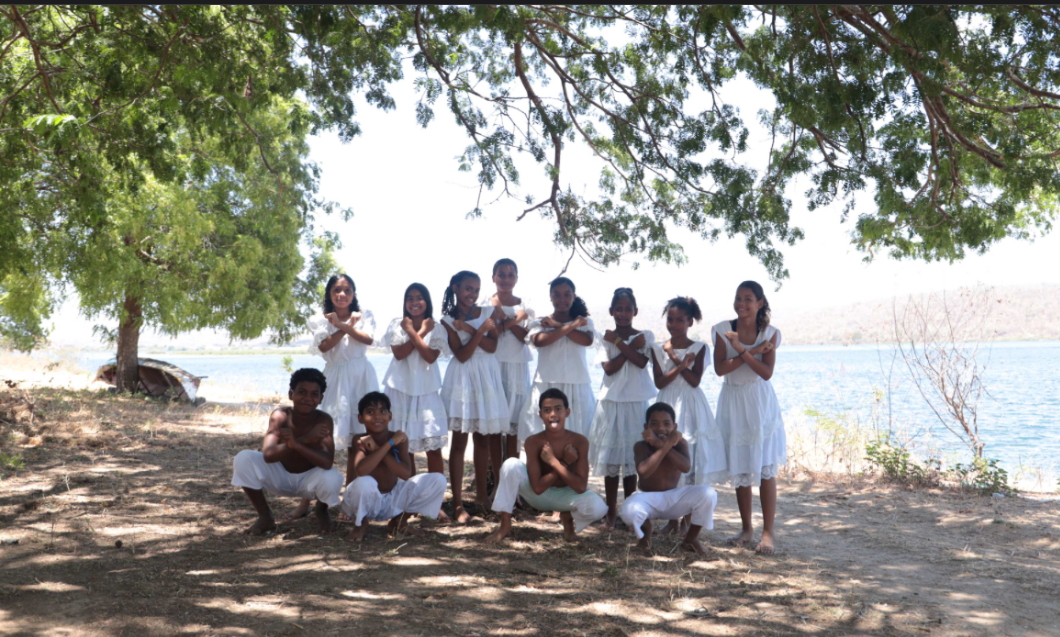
(384, 488)
(555, 476)
(296, 458)
(661, 459)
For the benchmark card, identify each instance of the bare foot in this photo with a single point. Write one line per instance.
(323, 518)
(766, 546)
(300, 511)
(644, 544)
(502, 531)
(744, 539)
(462, 516)
(343, 517)
(609, 519)
(568, 526)
(261, 527)
(400, 524)
(443, 518)
(357, 534)
(483, 507)
(670, 528)
(694, 545)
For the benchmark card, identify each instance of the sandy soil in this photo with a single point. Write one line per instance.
(857, 557)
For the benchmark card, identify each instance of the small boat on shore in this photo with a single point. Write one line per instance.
(158, 378)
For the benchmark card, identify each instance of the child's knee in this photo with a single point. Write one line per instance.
(593, 505)
(432, 482)
(511, 466)
(330, 486)
(706, 497)
(363, 485)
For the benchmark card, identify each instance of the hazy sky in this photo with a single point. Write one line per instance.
(410, 204)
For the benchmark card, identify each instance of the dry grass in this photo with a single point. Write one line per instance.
(857, 558)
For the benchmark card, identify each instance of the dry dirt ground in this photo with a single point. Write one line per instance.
(857, 558)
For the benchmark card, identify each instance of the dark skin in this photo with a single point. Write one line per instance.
(418, 328)
(485, 336)
(628, 340)
(373, 455)
(505, 277)
(747, 305)
(300, 438)
(548, 468)
(662, 458)
(560, 322)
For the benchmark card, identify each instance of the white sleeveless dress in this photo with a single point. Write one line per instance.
(749, 417)
(695, 420)
(619, 419)
(473, 391)
(349, 375)
(412, 384)
(562, 365)
(514, 357)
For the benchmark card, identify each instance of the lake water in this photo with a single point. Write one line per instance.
(1018, 420)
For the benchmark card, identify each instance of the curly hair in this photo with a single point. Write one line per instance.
(687, 305)
(659, 407)
(329, 307)
(504, 262)
(762, 318)
(373, 398)
(309, 375)
(553, 392)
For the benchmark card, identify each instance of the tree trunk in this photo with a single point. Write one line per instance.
(127, 376)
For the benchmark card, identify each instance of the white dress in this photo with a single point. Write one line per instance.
(749, 417)
(412, 385)
(695, 420)
(619, 419)
(473, 391)
(349, 374)
(514, 357)
(562, 365)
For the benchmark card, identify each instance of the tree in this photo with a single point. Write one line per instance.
(136, 169)
(948, 113)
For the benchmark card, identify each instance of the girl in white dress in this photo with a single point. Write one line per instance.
(618, 423)
(512, 317)
(342, 336)
(678, 365)
(748, 412)
(412, 381)
(562, 339)
(473, 390)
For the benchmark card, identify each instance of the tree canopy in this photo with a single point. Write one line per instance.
(947, 114)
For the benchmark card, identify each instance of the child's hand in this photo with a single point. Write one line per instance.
(461, 326)
(734, 339)
(318, 433)
(406, 324)
(688, 360)
(570, 455)
(498, 314)
(426, 328)
(581, 321)
(649, 437)
(611, 337)
(638, 343)
(668, 347)
(550, 323)
(547, 455)
(521, 316)
(487, 325)
(286, 435)
(369, 444)
(674, 438)
(356, 316)
(333, 319)
(764, 348)
(398, 437)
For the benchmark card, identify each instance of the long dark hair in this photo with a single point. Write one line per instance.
(329, 307)
(501, 262)
(449, 299)
(422, 289)
(626, 292)
(762, 318)
(687, 305)
(578, 307)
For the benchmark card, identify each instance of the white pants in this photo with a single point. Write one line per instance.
(250, 471)
(422, 493)
(695, 500)
(585, 508)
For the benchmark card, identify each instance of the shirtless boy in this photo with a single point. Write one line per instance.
(383, 486)
(661, 459)
(296, 458)
(555, 476)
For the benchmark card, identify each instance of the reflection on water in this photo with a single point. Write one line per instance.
(1018, 419)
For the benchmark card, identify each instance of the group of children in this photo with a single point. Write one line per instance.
(488, 392)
